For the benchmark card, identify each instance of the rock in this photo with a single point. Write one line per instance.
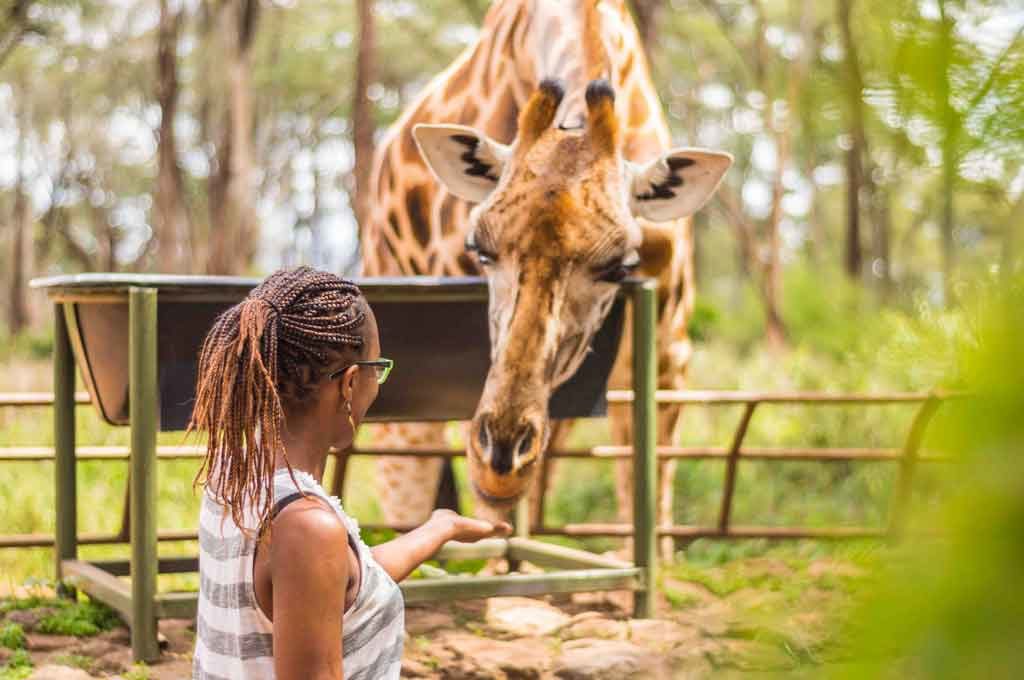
(593, 625)
(713, 619)
(415, 669)
(419, 621)
(522, 616)
(590, 659)
(29, 618)
(480, 657)
(38, 642)
(51, 672)
(660, 635)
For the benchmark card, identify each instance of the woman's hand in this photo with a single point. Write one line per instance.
(468, 529)
(403, 554)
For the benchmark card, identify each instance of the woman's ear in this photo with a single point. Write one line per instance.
(348, 383)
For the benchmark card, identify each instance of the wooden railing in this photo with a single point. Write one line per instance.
(908, 456)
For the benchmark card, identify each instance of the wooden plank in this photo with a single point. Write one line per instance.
(481, 550)
(31, 399)
(177, 605)
(15, 454)
(100, 585)
(168, 565)
(475, 587)
(733, 532)
(552, 556)
(725, 397)
(144, 412)
(47, 540)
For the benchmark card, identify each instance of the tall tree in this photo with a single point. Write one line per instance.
(171, 220)
(234, 228)
(853, 257)
(363, 123)
(17, 309)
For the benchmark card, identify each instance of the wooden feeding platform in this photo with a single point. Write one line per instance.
(136, 340)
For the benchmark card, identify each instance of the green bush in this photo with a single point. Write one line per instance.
(18, 667)
(80, 619)
(12, 636)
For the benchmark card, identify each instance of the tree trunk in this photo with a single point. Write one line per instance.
(234, 228)
(362, 110)
(853, 255)
(950, 129)
(17, 310)
(171, 220)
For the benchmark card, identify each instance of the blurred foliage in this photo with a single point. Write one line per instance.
(951, 607)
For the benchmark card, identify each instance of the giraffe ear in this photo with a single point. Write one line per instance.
(466, 162)
(677, 184)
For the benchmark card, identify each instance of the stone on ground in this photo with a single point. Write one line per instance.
(523, 616)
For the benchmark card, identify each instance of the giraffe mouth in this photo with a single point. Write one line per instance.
(496, 501)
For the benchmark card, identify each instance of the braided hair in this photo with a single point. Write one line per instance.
(268, 350)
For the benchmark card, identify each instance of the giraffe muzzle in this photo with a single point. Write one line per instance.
(502, 457)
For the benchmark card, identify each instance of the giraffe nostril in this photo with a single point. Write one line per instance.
(483, 436)
(525, 441)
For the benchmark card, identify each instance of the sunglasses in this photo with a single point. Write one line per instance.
(382, 367)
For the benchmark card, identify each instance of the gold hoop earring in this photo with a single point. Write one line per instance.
(351, 422)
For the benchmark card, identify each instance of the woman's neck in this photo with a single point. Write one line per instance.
(305, 446)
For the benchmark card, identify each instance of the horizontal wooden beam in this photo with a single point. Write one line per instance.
(725, 397)
(9, 454)
(478, 587)
(552, 556)
(46, 540)
(167, 565)
(20, 399)
(177, 605)
(101, 585)
(481, 550)
(733, 532)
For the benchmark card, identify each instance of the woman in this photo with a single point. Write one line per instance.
(287, 588)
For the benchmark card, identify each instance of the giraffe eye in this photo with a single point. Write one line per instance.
(484, 255)
(617, 270)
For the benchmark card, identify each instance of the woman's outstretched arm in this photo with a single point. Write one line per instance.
(402, 555)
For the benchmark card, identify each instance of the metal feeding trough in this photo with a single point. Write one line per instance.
(436, 331)
(136, 340)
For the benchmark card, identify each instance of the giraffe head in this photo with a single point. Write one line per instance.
(560, 220)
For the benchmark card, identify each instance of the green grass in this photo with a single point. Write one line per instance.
(81, 617)
(18, 666)
(12, 636)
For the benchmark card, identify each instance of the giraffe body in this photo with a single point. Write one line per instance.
(574, 145)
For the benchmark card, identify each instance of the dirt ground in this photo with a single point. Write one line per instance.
(760, 616)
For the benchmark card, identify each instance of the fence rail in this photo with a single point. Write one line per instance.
(907, 456)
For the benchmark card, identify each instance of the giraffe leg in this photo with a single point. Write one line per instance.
(407, 487)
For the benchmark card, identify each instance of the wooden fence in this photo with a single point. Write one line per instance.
(907, 456)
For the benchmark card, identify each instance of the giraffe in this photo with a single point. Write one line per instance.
(540, 158)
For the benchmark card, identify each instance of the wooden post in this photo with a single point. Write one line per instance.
(66, 539)
(143, 406)
(725, 512)
(645, 472)
(908, 463)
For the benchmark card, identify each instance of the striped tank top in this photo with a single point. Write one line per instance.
(234, 638)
